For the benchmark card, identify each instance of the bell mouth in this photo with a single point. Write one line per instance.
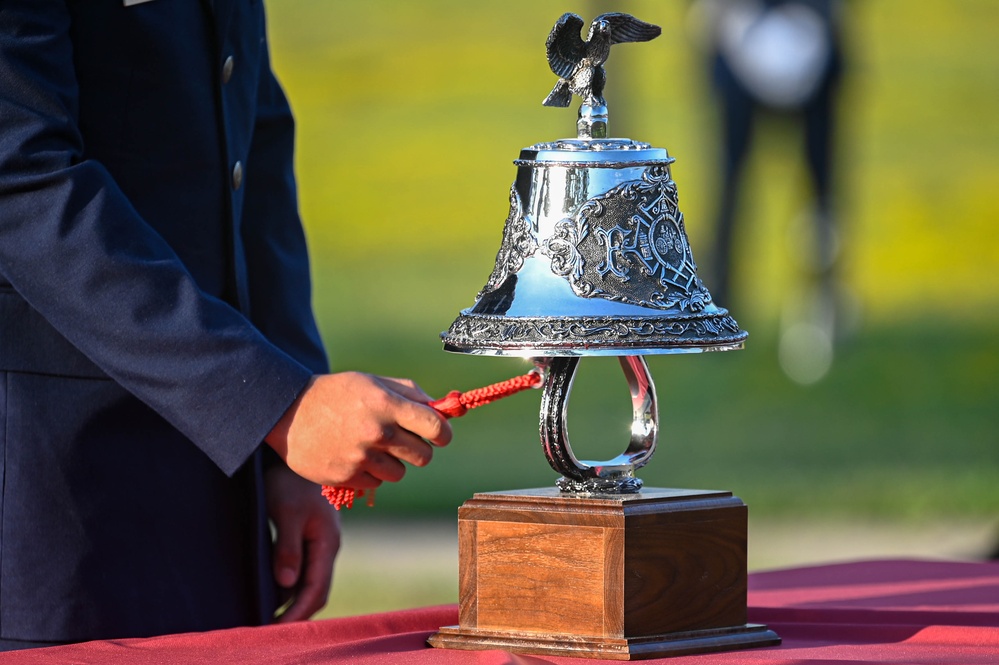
(545, 336)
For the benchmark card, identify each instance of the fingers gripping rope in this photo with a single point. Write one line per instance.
(453, 405)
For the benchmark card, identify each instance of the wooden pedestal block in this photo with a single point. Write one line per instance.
(657, 573)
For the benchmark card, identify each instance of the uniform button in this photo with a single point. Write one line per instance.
(237, 175)
(227, 67)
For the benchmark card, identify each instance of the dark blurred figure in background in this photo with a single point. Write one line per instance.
(782, 57)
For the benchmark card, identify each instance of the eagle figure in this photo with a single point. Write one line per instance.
(579, 64)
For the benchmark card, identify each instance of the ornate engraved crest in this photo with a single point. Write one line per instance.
(519, 242)
(629, 245)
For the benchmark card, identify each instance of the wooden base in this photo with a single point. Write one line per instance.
(657, 646)
(657, 573)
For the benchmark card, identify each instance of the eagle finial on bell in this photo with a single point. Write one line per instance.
(579, 64)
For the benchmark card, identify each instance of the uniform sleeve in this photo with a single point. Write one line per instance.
(76, 250)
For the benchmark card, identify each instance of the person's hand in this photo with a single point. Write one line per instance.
(308, 538)
(356, 430)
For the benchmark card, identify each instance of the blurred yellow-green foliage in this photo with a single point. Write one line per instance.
(410, 114)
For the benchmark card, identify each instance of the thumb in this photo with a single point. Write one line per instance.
(288, 555)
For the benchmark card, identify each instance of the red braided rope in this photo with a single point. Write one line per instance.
(453, 405)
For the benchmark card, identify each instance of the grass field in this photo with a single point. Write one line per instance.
(409, 117)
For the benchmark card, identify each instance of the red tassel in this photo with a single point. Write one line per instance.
(453, 405)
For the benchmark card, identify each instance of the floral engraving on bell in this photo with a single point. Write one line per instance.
(629, 245)
(519, 243)
(472, 330)
(574, 145)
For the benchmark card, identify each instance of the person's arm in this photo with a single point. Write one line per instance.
(76, 250)
(73, 246)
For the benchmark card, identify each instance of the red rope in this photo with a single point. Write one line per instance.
(453, 405)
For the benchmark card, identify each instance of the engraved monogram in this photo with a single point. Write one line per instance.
(629, 245)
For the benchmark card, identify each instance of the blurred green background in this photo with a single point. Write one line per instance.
(409, 117)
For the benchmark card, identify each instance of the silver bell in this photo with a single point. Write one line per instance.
(594, 261)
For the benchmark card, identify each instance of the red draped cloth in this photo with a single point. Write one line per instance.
(907, 611)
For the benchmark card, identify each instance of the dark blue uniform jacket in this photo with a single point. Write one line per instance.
(155, 317)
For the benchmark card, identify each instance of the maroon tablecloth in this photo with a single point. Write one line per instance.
(873, 611)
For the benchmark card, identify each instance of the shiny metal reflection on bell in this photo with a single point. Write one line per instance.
(594, 261)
